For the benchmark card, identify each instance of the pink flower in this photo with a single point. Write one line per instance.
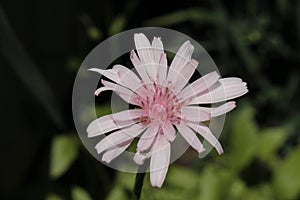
(165, 101)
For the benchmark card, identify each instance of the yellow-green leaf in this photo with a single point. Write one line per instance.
(215, 183)
(54, 197)
(64, 151)
(243, 138)
(287, 176)
(79, 193)
(270, 140)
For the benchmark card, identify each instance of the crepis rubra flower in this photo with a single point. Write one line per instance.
(165, 101)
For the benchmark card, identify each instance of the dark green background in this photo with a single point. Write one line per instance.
(42, 44)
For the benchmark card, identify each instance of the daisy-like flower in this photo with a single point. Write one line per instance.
(165, 101)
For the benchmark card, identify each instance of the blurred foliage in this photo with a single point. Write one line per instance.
(253, 171)
(80, 194)
(42, 44)
(64, 151)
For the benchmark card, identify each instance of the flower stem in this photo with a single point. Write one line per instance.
(138, 184)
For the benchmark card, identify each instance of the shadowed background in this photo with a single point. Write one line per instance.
(42, 44)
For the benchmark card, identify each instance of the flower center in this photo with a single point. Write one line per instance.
(158, 113)
(160, 105)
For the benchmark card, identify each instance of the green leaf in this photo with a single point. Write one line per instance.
(244, 139)
(176, 186)
(287, 176)
(64, 151)
(124, 182)
(269, 141)
(27, 71)
(117, 193)
(79, 193)
(117, 25)
(262, 193)
(73, 63)
(54, 197)
(94, 33)
(215, 183)
(180, 183)
(188, 178)
(102, 110)
(237, 190)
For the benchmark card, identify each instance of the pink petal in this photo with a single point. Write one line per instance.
(194, 114)
(120, 137)
(103, 125)
(139, 158)
(111, 154)
(231, 80)
(157, 48)
(112, 122)
(102, 89)
(220, 110)
(143, 48)
(139, 66)
(147, 138)
(128, 114)
(169, 131)
(184, 75)
(160, 160)
(199, 86)
(126, 94)
(205, 132)
(190, 137)
(112, 74)
(162, 68)
(227, 88)
(152, 71)
(182, 57)
(126, 72)
(124, 77)
(145, 53)
(130, 80)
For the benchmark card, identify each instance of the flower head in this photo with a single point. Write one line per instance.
(165, 102)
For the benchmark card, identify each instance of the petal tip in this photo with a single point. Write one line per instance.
(105, 159)
(92, 70)
(201, 150)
